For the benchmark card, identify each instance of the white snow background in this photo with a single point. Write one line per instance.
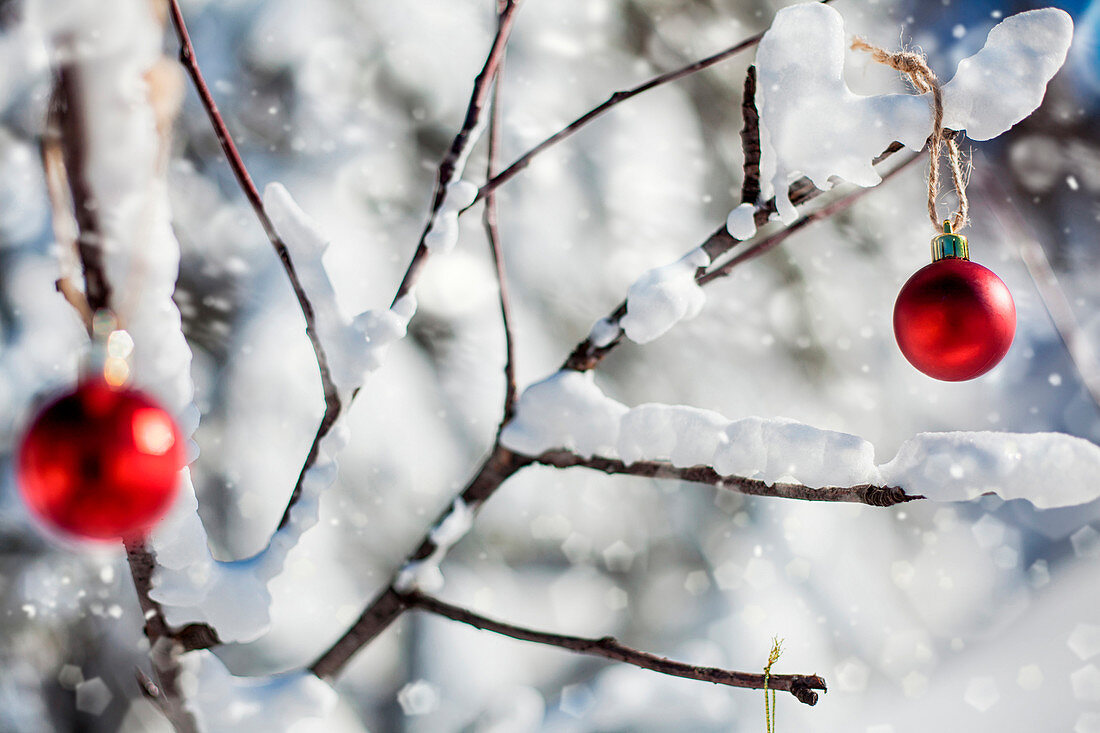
(975, 616)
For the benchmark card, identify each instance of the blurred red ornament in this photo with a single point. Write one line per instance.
(101, 462)
(954, 319)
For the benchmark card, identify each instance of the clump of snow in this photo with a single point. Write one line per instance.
(1048, 469)
(442, 233)
(663, 297)
(354, 346)
(568, 411)
(779, 450)
(223, 703)
(603, 332)
(800, 64)
(741, 223)
(425, 574)
(688, 436)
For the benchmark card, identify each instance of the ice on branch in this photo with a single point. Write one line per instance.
(222, 703)
(425, 574)
(741, 223)
(568, 411)
(800, 64)
(663, 297)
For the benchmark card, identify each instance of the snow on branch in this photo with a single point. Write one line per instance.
(801, 66)
(663, 297)
(224, 703)
(569, 411)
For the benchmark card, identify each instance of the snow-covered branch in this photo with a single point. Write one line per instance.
(802, 686)
(787, 459)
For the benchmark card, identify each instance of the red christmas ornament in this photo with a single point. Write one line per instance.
(954, 319)
(101, 462)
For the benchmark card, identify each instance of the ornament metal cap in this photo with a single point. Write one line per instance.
(949, 245)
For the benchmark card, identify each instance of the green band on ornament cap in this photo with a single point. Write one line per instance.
(949, 245)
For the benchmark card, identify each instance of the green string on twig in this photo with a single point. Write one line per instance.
(769, 701)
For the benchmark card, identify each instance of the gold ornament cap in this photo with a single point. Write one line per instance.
(949, 245)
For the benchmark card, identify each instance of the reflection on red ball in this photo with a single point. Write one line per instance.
(954, 320)
(101, 462)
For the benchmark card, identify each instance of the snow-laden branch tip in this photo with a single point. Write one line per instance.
(569, 411)
(800, 64)
(224, 703)
(663, 297)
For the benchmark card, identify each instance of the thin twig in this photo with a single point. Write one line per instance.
(492, 231)
(801, 686)
(617, 98)
(879, 496)
(236, 163)
(462, 141)
(750, 140)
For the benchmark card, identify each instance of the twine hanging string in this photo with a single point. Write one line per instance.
(924, 79)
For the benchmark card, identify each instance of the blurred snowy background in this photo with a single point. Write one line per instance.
(980, 616)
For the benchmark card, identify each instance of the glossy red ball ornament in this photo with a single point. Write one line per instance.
(954, 319)
(101, 462)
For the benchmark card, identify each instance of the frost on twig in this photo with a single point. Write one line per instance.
(801, 64)
(568, 411)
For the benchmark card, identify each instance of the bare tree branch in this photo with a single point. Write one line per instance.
(750, 140)
(801, 686)
(617, 98)
(459, 146)
(236, 163)
(880, 496)
(492, 231)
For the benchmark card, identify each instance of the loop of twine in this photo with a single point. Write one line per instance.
(924, 80)
(769, 704)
